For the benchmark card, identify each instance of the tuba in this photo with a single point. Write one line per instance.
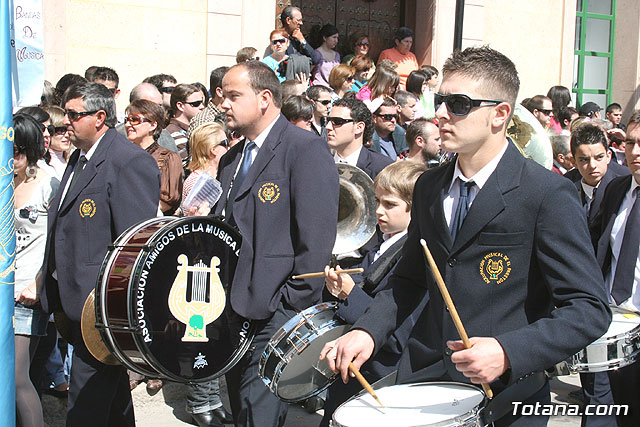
(530, 137)
(356, 209)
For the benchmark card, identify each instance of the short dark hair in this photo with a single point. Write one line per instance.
(149, 110)
(359, 113)
(66, 82)
(298, 107)
(313, 92)
(95, 97)
(28, 138)
(417, 128)
(261, 77)
(430, 71)
(245, 54)
(497, 72)
(565, 113)
(287, 12)
(89, 72)
(204, 91)
(215, 79)
(402, 96)
(613, 106)
(537, 102)
(158, 79)
(402, 33)
(387, 101)
(588, 133)
(107, 74)
(180, 94)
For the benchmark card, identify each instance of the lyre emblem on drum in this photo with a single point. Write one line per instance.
(198, 312)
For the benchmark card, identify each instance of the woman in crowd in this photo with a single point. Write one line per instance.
(401, 54)
(560, 98)
(359, 43)
(59, 145)
(299, 111)
(324, 41)
(143, 123)
(208, 144)
(279, 42)
(341, 81)
(419, 83)
(361, 67)
(383, 83)
(34, 189)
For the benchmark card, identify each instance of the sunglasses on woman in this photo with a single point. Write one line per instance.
(194, 104)
(136, 120)
(459, 104)
(278, 41)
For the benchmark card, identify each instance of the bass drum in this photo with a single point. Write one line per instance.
(162, 299)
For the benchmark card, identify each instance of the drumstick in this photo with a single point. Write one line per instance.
(451, 307)
(363, 382)
(321, 273)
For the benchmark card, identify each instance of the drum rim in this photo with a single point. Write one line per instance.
(107, 263)
(473, 414)
(283, 334)
(137, 338)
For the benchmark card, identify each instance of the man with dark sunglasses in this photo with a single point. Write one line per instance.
(321, 96)
(186, 102)
(542, 108)
(511, 241)
(389, 137)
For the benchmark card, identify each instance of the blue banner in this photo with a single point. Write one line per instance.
(7, 225)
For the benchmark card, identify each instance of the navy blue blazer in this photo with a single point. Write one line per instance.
(399, 141)
(286, 211)
(521, 270)
(371, 162)
(119, 187)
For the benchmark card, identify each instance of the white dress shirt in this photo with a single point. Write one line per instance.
(617, 233)
(351, 159)
(480, 179)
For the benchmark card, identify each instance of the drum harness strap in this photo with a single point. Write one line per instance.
(521, 390)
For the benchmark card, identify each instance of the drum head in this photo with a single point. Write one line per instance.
(406, 405)
(179, 300)
(91, 335)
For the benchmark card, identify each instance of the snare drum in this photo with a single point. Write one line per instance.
(619, 347)
(161, 300)
(289, 365)
(443, 404)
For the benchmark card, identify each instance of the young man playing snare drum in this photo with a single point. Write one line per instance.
(511, 242)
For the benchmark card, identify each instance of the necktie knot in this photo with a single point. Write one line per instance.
(462, 208)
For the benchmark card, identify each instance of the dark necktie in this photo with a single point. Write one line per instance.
(247, 160)
(590, 202)
(462, 208)
(76, 173)
(628, 257)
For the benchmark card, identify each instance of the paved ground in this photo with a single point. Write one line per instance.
(166, 408)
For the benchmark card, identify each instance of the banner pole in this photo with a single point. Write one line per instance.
(7, 225)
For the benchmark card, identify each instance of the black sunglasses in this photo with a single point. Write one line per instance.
(75, 115)
(194, 104)
(276, 41)
(224, 143)
(49, 128)
(167, 89)
(339, 121)
(59, 130)
(543, 111)
(363, 44)
(324, 101)
(388, 117)
(459, 104)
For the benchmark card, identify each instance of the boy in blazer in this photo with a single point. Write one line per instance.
(520, 269)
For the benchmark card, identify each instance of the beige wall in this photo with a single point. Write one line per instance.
(626, 57)
(138, 38)
(537, 36)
